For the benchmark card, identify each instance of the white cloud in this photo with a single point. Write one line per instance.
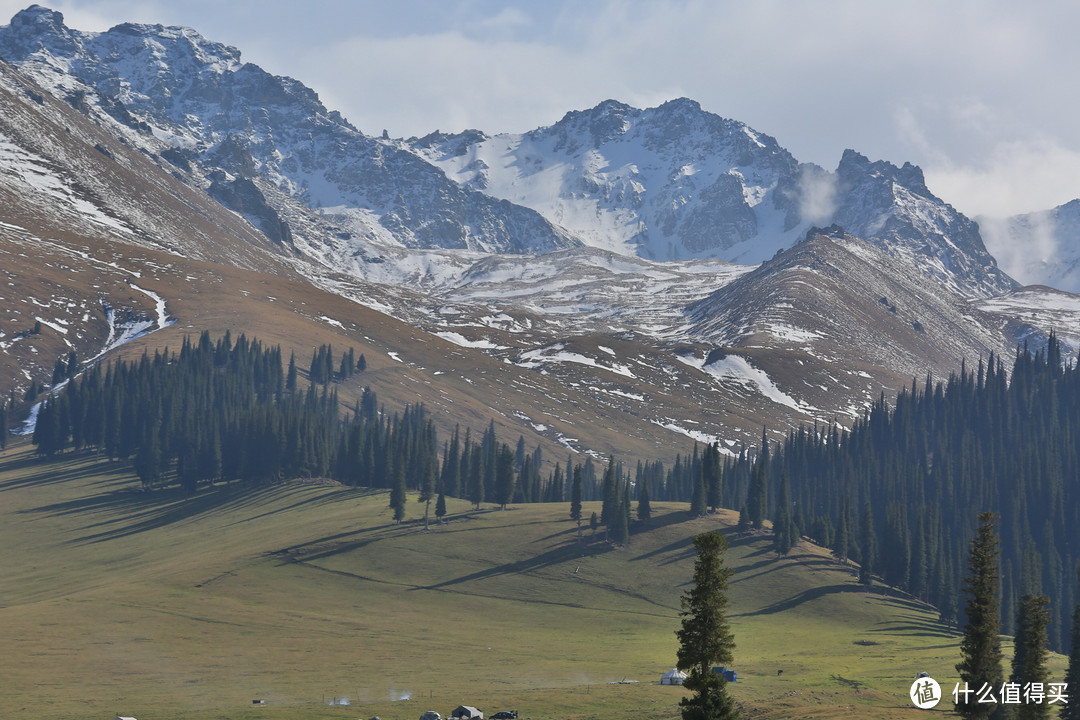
(1017, 176)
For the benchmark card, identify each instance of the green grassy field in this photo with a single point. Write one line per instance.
(117, 602)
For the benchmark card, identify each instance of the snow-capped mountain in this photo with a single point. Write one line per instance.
(667, 183)
(676, 182)
(574, 282)
(1040, 248)
(196, 104)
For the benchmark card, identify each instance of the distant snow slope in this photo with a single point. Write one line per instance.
(1041, 248)
(667, 183)
(675, 182)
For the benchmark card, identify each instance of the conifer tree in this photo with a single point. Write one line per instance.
(705, 638)
(712, 474)
(575, 497)
(758, 493)
(290, 377)
(440, 507)
(981, 644)
(699, 501)
(1030, 654)
(783, 525)
(644, 507)
(744, 519)
(1071, 711)
(475, 475)
(868, 546)
(620, 524)
(504, 476)
(397, 491)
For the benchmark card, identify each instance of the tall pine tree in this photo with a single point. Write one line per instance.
(981, 644)
(705, 638)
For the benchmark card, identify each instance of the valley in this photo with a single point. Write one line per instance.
(300, 593)
(657, 285)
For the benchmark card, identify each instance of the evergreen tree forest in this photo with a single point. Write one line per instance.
(172, 416)
(900, 492)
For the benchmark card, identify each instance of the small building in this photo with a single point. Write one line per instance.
(467, 712)
(674, 676)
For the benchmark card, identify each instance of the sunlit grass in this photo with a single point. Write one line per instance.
(116, 601)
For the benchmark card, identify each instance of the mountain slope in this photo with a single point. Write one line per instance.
(282, 593)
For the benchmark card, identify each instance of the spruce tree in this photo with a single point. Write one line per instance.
(868, 546)
(1071, 711)
(783, 524)
(1030, 654)
(699, 501)
(981, 644)
(290, 377)
(644, 507)
(397, 491)
(504, 476)
(744, 519)
(440, 507)
(705, 638)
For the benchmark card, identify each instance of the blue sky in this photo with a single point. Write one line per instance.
(981, 95)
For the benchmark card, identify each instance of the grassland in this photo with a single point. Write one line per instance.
(113, 601)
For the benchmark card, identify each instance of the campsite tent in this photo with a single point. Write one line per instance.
(674, 676)
(467, 712)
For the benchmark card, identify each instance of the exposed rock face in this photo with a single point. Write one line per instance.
(892, 207)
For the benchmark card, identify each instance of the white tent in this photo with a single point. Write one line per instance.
(674, 676)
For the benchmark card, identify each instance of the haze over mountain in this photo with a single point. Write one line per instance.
(577, 281)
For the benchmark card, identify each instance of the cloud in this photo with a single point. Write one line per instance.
(817, 195)
(1016, 176)
(1024, 249)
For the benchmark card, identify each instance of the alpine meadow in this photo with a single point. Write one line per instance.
(634, 414)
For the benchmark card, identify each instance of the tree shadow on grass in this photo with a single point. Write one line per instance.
(803, 597)
(131, 510)
(47, 471)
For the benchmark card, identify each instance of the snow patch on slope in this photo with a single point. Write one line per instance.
(736, 369)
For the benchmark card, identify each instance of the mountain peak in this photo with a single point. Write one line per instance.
(37, 27)
(681, 104)
(856, 165)
(39, 16)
